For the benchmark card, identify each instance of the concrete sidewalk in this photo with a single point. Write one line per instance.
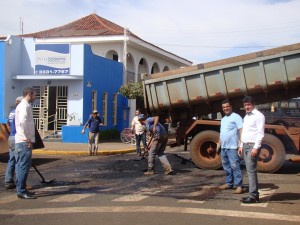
(105, 148)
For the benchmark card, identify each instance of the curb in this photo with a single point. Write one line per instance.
(101, 152)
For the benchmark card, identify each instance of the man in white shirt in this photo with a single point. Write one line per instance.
(24, 139)
(140, 132)
(252, 135)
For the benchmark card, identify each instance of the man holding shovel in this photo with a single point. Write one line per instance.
(157, 144)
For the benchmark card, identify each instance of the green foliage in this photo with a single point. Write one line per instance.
(111, 134)
(132, 90)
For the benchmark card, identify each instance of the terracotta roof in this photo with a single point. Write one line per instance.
(91, 25)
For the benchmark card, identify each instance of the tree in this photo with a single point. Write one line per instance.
(132, 90)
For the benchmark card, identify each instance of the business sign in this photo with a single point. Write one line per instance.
(52, 59)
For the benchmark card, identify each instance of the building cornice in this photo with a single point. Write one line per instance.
(131, 41)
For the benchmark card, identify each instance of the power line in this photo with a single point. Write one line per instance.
(205, 46)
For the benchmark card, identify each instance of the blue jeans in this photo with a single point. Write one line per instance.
(251, 163)
(232, 168)
(138, 139)
(10, 169)
(23, 163)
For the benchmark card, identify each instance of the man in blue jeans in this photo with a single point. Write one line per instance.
(231, 129)
(252, 135)
(24, 139)
(11, 164)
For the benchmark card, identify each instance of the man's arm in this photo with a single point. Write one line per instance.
(259, 136)
(156, 119)
(240, 148)
(132, 124)
(86, 123)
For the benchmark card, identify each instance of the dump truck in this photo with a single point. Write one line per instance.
(197, 91)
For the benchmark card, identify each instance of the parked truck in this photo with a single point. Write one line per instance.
(196, 91)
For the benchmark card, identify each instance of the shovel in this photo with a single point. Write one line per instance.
(43, 179)
(146, 149)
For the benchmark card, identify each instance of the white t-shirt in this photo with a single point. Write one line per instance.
(139, 128)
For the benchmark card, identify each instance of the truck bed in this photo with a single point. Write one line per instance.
(269, 75)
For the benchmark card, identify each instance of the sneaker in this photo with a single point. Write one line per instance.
(149, 172)
(238, 190)
(10, 185)
(224, 187)
(168, 171)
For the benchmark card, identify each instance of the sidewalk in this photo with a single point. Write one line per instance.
(105, 148)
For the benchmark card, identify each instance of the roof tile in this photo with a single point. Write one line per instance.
(91, 25)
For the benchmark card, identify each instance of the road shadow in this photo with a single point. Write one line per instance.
(285, 197)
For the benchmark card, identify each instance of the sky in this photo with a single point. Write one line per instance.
(197, 30)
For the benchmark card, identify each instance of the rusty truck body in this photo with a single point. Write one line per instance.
(269, 76)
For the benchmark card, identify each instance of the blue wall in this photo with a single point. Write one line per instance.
(2, 64)
(72, 134)
(105, 75)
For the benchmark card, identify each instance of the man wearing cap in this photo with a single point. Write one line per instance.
(94, 124)
(140, 132)
(158, 144)
(11, 164)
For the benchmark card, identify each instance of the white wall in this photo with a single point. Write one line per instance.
(77, 54)
(28, 56)
(75, 99)
(12, 67)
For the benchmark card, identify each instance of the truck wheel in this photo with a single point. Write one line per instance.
(203, 152)
(272, 154)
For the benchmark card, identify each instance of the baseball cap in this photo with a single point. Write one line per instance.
(142, 117)
(18, 99)
(95, 111)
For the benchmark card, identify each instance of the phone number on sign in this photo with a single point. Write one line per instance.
(52, 72)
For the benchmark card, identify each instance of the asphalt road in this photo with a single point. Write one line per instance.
(113, 190)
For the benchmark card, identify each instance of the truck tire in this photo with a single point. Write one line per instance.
(203, 152)
(272, 154)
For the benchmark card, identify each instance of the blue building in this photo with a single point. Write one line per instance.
(76, 68)
(70, 81)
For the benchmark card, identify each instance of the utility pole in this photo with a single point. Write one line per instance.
(21, 25)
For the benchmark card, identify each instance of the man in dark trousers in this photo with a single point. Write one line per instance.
(157, 144)
(94, 124)
(251, 140)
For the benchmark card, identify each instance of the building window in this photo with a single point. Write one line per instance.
(94, 100)
(115, 57)
(130, 77)
(115, 105)
(104, 107)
